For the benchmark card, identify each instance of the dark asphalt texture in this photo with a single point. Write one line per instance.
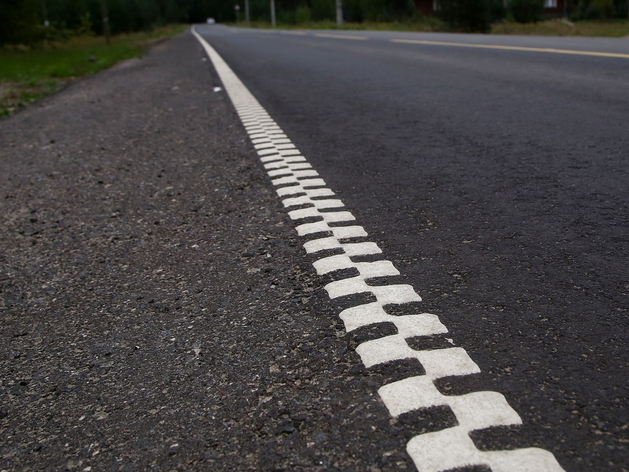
(157, 311)
(497, 182)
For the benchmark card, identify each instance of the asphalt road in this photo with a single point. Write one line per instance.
(158, 311)
(496, 181)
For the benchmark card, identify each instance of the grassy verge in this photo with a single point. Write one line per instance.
(28, 74)
(610, 28)
(425, 24)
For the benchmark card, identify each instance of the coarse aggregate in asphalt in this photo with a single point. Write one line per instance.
(496, 182)
(157, 310)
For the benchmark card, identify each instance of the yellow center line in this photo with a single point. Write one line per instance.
(513, 48)
(340, 36)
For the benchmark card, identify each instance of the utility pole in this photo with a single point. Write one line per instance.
(339, 13)
(273, 13)
(104, 12)
(247, 19)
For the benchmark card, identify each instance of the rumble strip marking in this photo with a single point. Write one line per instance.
(299, 185)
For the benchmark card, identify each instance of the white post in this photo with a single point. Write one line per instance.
(339, 13)
(273, 13)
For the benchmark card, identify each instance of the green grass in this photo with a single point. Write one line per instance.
(28, 74)
(424, 24)
(609, 28)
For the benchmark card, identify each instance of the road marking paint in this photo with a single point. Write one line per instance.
(318, 204)
(361, 249)
(474, 411)
(297, 33)
(408, 326)
(340, 36)
(439, 451)
(512, 48)
(453, 448)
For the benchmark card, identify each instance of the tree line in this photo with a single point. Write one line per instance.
(32, 21)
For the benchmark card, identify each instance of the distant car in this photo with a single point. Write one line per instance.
(210, 21)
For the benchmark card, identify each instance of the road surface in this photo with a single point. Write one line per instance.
(493, 172)
(159, 310)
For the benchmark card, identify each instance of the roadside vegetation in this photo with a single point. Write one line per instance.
(548, 27)
(46, 43)
(583, 17)
(425, 24)
(602, 28)
(28, 73)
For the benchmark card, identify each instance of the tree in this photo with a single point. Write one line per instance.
(526, 11)
(20, 22)
(467, 15)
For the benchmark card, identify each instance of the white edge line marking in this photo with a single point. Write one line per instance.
(431, 452)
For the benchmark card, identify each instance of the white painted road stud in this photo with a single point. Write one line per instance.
(300, 185)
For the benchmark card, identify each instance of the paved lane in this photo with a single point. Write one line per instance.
(495, 180)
